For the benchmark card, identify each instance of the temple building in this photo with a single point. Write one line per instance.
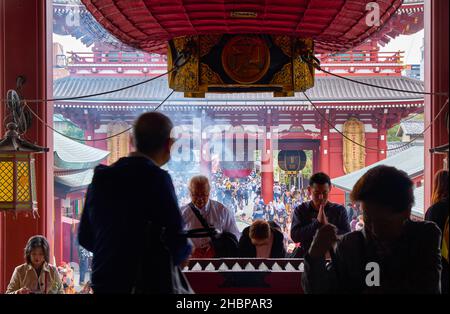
(315, 81)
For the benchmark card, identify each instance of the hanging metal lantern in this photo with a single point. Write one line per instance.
(292, 160)
(17, 170)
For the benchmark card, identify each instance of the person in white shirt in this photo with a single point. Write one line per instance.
(215, 213)
(276, 191)
(293, 189)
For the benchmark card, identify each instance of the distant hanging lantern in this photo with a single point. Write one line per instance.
(17, 170)
(292, 160)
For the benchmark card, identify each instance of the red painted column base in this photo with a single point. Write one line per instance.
(267, 180)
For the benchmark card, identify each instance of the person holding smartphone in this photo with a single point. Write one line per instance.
(36, 275)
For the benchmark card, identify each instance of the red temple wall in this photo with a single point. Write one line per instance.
(69, 228)
(336, 161)
(76, 195)
(418, 180)
(100, 144)
(27, 50)
(58, 246)
(372, 155)
(437, 81)
(335, 166)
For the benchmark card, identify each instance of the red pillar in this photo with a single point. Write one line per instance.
(382, 143)
(325, 148)
(436, 80)
(58, 231)
(2, 128)
(89, 133)
(267, 171)
(316, 159)
(26, 48)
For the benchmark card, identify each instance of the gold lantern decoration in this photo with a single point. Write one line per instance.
(354, 155)
(244, 63)
(17, 170)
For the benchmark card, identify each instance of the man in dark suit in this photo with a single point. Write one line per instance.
(310, 216)
(121, 202)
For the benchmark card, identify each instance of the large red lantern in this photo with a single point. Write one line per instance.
(334, 25)
(233, 46)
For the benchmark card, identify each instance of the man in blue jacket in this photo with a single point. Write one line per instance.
(122, 201)
(309, 216)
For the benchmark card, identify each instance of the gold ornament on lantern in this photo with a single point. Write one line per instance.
(234, 63)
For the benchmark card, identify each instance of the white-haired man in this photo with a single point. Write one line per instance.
(214, 212)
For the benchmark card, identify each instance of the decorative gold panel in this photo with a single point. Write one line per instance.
(303, 72)
(6, 181)
(209, 76)
(354, 155)
(284, 77)
(284, 43)
(241, 63)
(23, 182)
(246, 59)
(187, 77)
(118, 146)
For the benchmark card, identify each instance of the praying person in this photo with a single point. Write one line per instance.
(262, 240)
(215, 214)
(403, 255)
(310, 216)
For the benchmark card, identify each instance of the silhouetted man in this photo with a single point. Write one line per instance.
(391, 254)
(121, 203)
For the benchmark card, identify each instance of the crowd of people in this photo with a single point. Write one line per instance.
(235, 194)
(132, 210)
(242, 196)
(280, 209)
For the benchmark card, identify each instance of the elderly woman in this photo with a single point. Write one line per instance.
(36, 276)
